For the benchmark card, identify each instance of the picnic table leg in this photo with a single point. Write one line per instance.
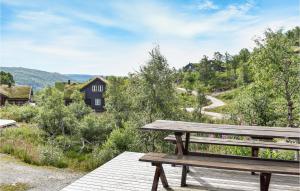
(176, 152)
(265, 181)
(183, 176)
(179, 143)
(254, 153)
(181, 151)
(159, 173)
(186, 148)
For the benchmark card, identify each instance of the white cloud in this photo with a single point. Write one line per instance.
(56, 41)
(206, 5)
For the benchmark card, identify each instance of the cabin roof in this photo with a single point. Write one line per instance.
(68, 89)
(92, 80)
(16, 91)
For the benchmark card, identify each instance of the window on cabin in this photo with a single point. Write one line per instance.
(97, 101)
(94, 88)
(100, 88)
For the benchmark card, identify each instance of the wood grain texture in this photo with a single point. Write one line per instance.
(234, 142)
(126, 173)
(264, 166)
(254, 131)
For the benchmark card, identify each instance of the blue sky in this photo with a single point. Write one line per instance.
(114, 37)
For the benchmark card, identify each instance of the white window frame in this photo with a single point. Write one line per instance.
(98, 102)
(100, 88)
(93, 88)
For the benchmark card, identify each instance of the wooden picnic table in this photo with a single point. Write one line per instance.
(240, 130)
(182, 147)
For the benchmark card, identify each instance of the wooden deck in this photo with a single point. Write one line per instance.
(126, 173)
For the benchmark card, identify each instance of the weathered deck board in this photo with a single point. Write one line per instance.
(253, 131)
(126, 173)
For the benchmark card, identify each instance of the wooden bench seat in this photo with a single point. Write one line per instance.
(234, 142)
(264, 166)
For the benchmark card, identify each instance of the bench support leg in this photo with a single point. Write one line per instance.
(159, 173)
(254, 153)
(176, 152)
(183, 176)
(179, 143)
(265, 181)
(186, 148)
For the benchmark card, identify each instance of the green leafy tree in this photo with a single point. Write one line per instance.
(95, 129)
(117, 99)
(254, 106)
(244, 75)
(54, 117)
(153, 87)
(6, 78)
(78, 107)
(201, 101)
(206, 71)
(189, 81)
(277, 66)
(153, 97)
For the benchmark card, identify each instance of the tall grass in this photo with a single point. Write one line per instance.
(29, 145)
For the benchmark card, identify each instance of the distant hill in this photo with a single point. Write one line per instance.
(35, 78)
(79, 77)
(39, 79)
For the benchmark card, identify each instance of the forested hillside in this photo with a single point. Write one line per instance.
(39, 79)
(35, 78)
(267, 79)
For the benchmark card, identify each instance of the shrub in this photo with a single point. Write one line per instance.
(25, 113)
(95, 129)
(29, 145)
(51, 155)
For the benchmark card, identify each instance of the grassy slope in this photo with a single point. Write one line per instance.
(227, 97)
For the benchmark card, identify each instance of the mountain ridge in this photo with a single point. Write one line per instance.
(39, 79)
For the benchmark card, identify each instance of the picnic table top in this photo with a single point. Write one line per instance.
(242, 130)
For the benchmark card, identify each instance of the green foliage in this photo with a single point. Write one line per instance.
(200, 101)
(189, 81)
(15, 187)
(254, 106)
(117, 99)
(186, 100)
(277, 67)
(78, 107)
(25, 113)
(6, 78)
(152, 89)
(244, 75)
(94, 129)
(28, 144)
(222, 72)
(54, 117)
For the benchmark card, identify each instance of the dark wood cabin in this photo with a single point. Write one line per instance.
(92, 92)
(15, 94)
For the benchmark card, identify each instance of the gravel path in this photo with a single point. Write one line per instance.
(39, 178)
(215, 103)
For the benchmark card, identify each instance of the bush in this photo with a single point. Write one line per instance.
(25, 113)
(51, 155)
(120, 140)
(29, 145)
(95, 129)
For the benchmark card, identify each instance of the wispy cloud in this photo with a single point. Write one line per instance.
(206, 5)
(114, 37)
